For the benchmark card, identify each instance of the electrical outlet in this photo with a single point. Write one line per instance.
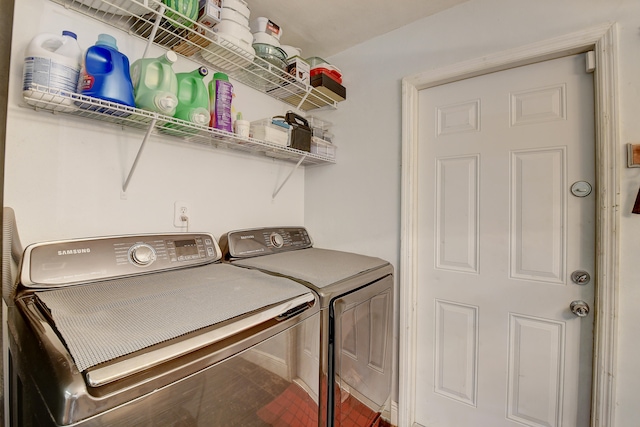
(181, 214)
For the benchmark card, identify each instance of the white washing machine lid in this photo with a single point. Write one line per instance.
(318, 267)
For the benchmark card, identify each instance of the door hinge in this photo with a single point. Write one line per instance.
(591, 61)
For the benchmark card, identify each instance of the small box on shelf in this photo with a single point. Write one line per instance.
(269, 131)
(209, 14)
(320, 128)
(322, 147)
(329, 87)
(299, 69)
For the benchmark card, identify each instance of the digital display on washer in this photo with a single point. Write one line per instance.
(186, 249)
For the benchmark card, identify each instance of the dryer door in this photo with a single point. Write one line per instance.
(362, 352)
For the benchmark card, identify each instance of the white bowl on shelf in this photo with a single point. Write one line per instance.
(265, 25)
(234, 15)
(233, 29)
(291, 51)
(240, 6)
(264, 38)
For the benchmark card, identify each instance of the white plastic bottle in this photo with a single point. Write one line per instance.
(52, 64)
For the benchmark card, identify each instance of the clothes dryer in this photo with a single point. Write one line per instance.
(351, 347)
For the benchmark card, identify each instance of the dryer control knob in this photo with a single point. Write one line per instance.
(142, 254)
(276, 240)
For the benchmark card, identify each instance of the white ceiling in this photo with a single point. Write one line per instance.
(325, 27)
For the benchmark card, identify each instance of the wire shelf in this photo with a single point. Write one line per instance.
(197, 42)
(48, 99)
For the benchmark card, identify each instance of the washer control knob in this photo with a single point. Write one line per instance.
(276, 240)
(142, 254)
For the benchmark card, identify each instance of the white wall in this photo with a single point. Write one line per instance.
(355, 204)
(64, 175)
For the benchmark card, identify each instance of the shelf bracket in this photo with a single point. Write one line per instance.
(154, 30)
(135, 162)
(304, 98)
(275, 193)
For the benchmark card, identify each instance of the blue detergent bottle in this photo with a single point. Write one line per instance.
(105, 73)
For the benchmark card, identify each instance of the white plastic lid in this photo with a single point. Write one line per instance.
(171, 56)
(166, 102)
(199, 118)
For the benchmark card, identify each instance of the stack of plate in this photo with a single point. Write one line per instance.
(234, 36)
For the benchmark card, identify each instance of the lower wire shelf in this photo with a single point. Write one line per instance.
(48, 99)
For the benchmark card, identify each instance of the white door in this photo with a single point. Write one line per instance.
(500, 234)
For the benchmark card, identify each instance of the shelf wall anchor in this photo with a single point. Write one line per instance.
(135, 162)
(275, 193)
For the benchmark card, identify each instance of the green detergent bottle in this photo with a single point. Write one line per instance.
(155, 84)
(193, 103)
(193, 97)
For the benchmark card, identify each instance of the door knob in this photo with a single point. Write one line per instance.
(579, 308)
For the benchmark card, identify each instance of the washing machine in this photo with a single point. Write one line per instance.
(350, 348)
(153, 330)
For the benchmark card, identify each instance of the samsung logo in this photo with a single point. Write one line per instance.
(250, 236)
(74, 251)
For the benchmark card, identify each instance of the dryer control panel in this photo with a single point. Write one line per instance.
(264, 241)
(61, 263)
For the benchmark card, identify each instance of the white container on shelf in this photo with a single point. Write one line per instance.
(265, 130)
(237, 5)
(231, 28)
(291, 51)
(265, 38)
(52, 62)
(265, 25)
(234, 15)
(322, 147)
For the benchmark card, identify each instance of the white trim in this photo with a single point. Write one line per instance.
(603, 40)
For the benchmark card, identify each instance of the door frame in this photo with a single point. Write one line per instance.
(603, 41)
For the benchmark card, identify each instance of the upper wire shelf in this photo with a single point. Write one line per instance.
(193, 40)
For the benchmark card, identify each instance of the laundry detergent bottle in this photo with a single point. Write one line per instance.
(105, 73)
(221, 96)
(155, 83)
(52, 63)
(193, 97)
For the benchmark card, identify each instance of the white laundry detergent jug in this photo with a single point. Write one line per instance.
(52, 65)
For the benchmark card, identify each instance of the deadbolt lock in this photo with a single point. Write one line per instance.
(581, 189)
(580, 277)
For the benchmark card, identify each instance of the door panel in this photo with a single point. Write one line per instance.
(499, 235)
